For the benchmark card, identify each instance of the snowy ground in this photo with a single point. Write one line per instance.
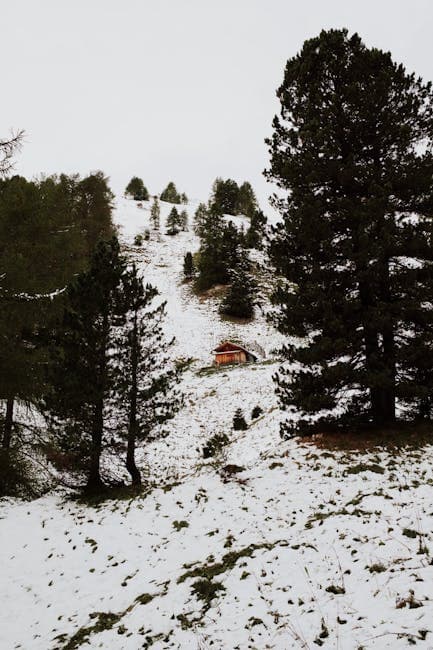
(303, 547)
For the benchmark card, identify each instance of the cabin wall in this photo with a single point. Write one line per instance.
(235, 356)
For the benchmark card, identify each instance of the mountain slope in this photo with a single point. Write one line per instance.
(269, 544)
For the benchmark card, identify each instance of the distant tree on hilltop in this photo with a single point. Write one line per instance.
(137, 190)
(171, 195)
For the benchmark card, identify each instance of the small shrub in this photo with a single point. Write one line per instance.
(15, 476)
(138, 240)
(256, 412)
(214, 445)
(378, 567)
(147, 234)
(337, 590)
(239, 423)
(178, 525)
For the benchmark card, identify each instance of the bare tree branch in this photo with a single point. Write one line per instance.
(7, 150)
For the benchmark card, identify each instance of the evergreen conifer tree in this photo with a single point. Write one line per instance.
(256, 231)
(183, 220)
(81, 374)
(225, 196)
(239, 422)
(353, 151)
(219, 250)
(188, 265)
(145, 378)
(173, 222)
(246, 201)
(46, 229)
(155, 213)
(200, 216)
(170, 194)
(137, 189)
(240, 299)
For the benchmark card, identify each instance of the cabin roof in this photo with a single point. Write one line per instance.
(228, 346)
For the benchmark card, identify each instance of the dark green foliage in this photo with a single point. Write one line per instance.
(215, 444)
(246, 201)
(173, 222)
(219, 250)
(145, 378)
(200, 218)
(207, 590)
(81, 375)
(240, 299)
(15, 475)
(188, 265)
(228, 198)
(351, 154)
(137, 189)
(47, 229)
(138, 240)
(183, 220)
(256, 231)
(225, 196)
(171, 195)
(256, 412)
(239, 423)
(155, 212)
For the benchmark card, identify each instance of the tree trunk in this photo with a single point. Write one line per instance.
(94, 481)
(8, 424)
(132, 424)
(388, 349)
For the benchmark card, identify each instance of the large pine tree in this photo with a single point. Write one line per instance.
(351, 154)
(80, 375)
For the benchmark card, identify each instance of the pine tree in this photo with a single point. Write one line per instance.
(200, 217)
(239, 422)
(170, 194)
(183, 220)
(246, 201)
(183, 198)
(225, 196)
(188, 265)
(145, 379)
(173, 222)
(137, 189)
(219, 250)
(352, 150)
(256, 231)
(155, 214)
(81, 375)
(240, 299)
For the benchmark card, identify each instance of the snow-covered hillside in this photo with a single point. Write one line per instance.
(290, 546)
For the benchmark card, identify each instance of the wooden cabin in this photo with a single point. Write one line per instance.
(232, 353)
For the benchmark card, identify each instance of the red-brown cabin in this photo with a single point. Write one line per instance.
(232, 353)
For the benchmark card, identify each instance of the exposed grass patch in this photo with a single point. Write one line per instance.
(365, 467)
(228, 561)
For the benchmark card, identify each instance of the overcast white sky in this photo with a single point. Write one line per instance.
(179, 90)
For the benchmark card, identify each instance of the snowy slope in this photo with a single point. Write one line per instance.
(303, 547)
